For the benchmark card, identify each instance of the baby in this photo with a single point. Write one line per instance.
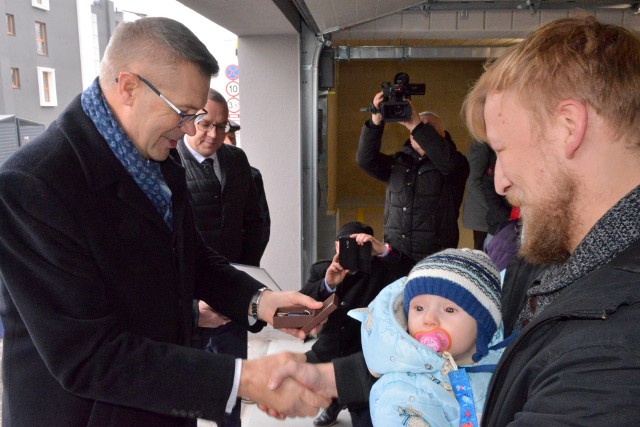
(417, 332)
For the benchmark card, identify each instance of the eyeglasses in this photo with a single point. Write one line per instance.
(222, 127)
(184, 118)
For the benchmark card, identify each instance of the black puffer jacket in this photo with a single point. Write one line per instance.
(231, 225)
(413, 211)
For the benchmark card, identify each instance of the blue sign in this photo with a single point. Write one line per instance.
(232, 72)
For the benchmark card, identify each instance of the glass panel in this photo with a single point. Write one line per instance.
(15, 78)
(45, 87)
(11, 30)
(41, 38)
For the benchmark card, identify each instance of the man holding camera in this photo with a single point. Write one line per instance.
(415, 177)
(340, 336)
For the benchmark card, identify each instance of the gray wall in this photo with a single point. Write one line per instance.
(270, 76)
(20, 51)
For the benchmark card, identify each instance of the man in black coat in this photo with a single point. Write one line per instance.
(419, 205)
(225, 205)
(100, 258)
(340, 335)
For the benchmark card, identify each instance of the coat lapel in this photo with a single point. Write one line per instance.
(100, 166)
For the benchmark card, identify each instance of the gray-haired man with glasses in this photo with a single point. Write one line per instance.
(100, 258)
(226, 211)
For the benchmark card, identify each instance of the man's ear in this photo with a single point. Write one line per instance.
(574, 116)
(127, 83)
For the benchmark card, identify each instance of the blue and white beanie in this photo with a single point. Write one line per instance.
(468, 278)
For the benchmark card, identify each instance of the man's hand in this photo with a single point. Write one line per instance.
(335, 274)
(414, 120)
(209, 318)
(377, 247)
(319, 378)
(289, 398)
(272, 300)
(376, 119)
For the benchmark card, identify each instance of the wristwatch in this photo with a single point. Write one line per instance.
(255, 301)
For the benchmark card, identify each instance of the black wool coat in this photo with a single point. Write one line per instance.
(97, 291)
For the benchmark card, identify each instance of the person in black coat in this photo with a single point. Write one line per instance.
(100, 258)
(340, 335)
(419, 207)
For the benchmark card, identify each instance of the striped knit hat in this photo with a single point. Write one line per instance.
(468, 278)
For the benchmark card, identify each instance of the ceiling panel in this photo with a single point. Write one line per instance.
(244, 17)
(334, 15)
(346, 21)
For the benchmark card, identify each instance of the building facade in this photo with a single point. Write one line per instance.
(40, 67)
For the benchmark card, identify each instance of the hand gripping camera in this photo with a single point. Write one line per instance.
(394, 106)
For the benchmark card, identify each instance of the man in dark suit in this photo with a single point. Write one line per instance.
(100, 258)
(340, 336)
(226, 210)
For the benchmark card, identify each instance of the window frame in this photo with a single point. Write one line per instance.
(15, 78)
(47, 87)
(43, 40)
(11, 24)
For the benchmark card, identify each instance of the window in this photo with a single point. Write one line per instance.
(47, 87)
(40, 4)
(15, 78)
(41, 38)
(11, 25)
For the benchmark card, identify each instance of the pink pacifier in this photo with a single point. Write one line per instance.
(437, 340)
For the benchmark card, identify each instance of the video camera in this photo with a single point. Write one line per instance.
(394, 106)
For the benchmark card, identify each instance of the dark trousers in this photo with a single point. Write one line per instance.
(361, 418)
(228, 339)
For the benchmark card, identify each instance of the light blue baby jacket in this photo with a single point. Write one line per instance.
(413, 388)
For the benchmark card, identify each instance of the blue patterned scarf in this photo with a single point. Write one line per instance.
(146, 173)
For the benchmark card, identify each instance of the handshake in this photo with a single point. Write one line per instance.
(283, 385)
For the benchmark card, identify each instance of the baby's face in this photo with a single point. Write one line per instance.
(427, 312)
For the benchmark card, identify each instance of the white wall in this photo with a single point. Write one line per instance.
(270, 81)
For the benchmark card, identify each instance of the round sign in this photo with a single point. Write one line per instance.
(234, 105)
(232, 72)
(233, 88)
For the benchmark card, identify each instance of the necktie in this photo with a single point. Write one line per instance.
(217, 187)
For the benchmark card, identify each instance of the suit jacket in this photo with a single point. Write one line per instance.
(97, 291)
(234, 229)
